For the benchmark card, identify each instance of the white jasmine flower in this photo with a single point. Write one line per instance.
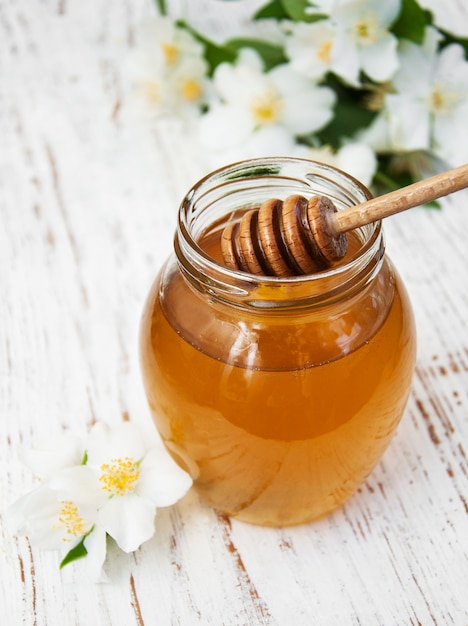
(166, 42)
(48, 521)
(64, 451)
(188, 82)
(54, 524)
(265, 142)
(123, 482)
(268, 30)
(309, 47)
(362, 39)
(377, 134)
(430, 107)
(251, 99)
(166, 72)
(304, 107)
(109, 484)
(356, 159)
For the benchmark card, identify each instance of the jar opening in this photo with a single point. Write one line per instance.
(223, 195)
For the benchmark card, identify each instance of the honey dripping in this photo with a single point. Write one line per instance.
(299, 236)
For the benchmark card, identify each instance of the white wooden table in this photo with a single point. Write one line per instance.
(87, 208)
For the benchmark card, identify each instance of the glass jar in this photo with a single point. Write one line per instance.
(278, 395)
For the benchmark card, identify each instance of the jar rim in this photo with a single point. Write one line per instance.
(198, 265)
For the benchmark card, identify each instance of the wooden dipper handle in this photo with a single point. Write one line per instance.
(299, 236)
(401, 199)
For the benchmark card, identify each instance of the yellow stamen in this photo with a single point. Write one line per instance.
(120, 476)
(267, 108)
(367, 28)
(70, 519)
(442, 103)
(324, 52)
(171, 53)
(191, 90)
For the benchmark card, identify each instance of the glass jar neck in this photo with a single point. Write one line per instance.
(212, 202)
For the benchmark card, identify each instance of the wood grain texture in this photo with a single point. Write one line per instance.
(88, 204)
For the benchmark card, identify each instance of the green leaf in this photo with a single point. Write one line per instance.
(288, 9)
(449, 38)
(273, 9)
(392, 174)
(78, 552)
(350, 114)
(386, 181)
(296, 10)
(214, 53)
(411, 22)
(347, 120)
(433, 204)
(270, 53)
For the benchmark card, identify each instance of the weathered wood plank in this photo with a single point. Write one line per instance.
(87, 206)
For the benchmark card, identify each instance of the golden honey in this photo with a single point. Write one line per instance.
(278, 395)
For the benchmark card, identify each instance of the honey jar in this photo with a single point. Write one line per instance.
(278, 395)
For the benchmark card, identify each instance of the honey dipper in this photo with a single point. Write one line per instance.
(299, 236)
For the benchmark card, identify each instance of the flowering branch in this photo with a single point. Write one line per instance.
(376, 88)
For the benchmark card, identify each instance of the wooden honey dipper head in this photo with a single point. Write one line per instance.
(284, 238)
(297, 236)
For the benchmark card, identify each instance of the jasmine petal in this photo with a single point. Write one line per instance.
(161, 480)
(363, 40)
(63, 451)
(123, 483)
(96, 545)
(429, 106)
(129, 521)
(48, 521)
